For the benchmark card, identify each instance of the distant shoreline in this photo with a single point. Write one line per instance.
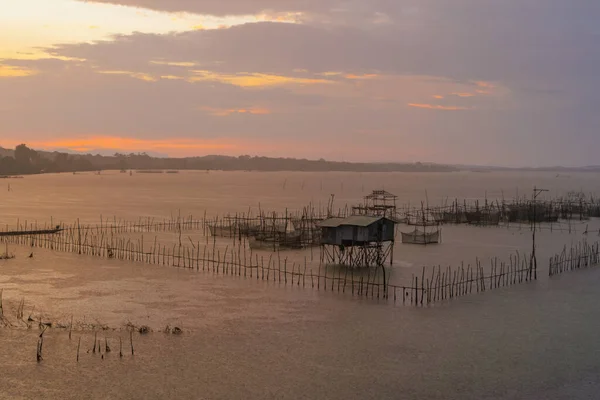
(25, 161)
(177, 171)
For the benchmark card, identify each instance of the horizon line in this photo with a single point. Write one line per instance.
(154, 154)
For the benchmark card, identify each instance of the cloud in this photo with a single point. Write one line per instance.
(224, 112)
(136, 75)
(174, 64)
(437, 107)
(7, 71)
(463, 94)
(231, 7)
(361, 77)
(254, 79)
(446, 50)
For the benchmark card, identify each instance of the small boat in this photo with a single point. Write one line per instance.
(277, 237)
(262, 242)
(231, 229)
(34, 232)
(483, 218)
(225, 231)
(421, 237)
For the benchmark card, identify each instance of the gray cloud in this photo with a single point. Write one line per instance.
(326, 9)
(511, 40)
(223, 8)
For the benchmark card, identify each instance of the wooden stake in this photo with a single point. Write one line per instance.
(131, 340)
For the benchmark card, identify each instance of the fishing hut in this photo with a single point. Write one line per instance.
(379, 203)
(358, 241)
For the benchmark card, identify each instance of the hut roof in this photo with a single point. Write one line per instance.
(331, 222)
(355, 220)
(381, 194)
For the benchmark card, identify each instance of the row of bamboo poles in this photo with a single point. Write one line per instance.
(115, 226)
(581, 255)
(448, 283)
(262, 219)
(438, 285)
(233, 260)
(272, 224)
(494, 212)
(476, 212)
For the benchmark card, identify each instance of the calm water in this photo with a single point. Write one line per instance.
(249, 339)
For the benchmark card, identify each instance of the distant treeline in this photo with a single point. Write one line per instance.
(24, 160)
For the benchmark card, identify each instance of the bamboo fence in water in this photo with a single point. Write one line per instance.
(434, 285)
(581, 255)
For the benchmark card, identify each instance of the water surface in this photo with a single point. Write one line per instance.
(252, 339)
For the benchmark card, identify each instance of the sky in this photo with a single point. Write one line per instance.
(488, 82)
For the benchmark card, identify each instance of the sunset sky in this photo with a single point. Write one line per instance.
(503, 82)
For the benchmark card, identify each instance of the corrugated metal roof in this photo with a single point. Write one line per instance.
(331, 223)
(381, 193)
(360, 220)
(355, 220)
